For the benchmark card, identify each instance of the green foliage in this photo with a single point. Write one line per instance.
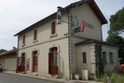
(2, 50)
(117, 76)
(115, 39)
(99, 63)
(119, 41)
(117, 22)
(117, 27)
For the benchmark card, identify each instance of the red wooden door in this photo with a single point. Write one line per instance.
(35, 59)
(50, 63)
(53, 68)
(23, 63)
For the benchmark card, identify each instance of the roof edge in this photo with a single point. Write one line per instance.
(92, 4)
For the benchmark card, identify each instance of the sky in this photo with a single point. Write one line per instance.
(16, 15)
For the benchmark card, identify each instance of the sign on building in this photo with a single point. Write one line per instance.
(59, 15)
(28, 64)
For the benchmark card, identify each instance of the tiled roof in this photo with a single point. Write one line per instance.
(89, 41)
(91, 3)
(8, 52)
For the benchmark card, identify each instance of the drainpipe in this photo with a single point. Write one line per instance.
(69, 43)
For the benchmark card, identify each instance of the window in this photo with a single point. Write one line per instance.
(84, 57)
(53, 28)
(104, 59)
(23, 39)
(35, 34)
(111, 58)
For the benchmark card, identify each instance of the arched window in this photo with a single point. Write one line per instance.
(104, 58)
(111, 58)
(84, 57)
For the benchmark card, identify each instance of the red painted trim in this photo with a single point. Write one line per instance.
(53, 28)
(23, 39)
(35, 61)
(84, 56)
(35, 34)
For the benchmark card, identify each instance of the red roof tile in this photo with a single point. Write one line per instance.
(8, 52)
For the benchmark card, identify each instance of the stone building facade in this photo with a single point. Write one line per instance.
(51, 49)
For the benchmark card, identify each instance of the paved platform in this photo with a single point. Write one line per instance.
(50, 79)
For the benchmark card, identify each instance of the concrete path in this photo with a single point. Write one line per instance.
(12, 74)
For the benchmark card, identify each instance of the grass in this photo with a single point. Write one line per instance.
(117, 76)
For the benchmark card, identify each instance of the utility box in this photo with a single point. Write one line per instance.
(84, 73)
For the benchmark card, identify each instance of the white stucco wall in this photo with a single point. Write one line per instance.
(2, 61)
(10, 62)
(90, 57)
(84, 12)
(108, 66)
(44, 43)
(43, 59)
(44, 33)
(89, 49)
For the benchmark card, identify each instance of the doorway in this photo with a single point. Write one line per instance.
(35, 61)
(53, 68)
(21, 63)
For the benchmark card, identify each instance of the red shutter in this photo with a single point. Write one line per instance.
(23, 39)
(82, 26)
(35, 34)
(53, 28)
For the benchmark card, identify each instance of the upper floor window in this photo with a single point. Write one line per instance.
(53, 28)
(104, 57)
(111, 58)
(35, 34)
(84, 57)
(23, 39)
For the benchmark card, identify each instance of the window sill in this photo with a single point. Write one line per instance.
(23, 45)
(106, 63)
(111, 63)
(35, 41)
(53, 35)
(84, 64)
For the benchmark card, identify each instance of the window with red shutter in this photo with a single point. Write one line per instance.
(53, 28)
(35, 34)
(23, 39)
(84, 57)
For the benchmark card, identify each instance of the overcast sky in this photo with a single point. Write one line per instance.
(15, 15)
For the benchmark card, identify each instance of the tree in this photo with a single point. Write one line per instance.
(117, 22)
(119, 41)
(2, 50)
(116, 28)
(114, 39)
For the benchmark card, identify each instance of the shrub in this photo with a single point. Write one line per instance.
(117, 76)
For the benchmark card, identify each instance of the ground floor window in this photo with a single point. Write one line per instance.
(84, 57)
(111, 58)
(104, 59)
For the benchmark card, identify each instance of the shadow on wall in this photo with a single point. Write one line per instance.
(60, 64)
